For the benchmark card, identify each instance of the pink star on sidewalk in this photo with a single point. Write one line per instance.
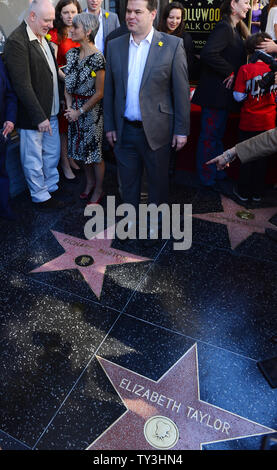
(168, 413)
(238, 225)
(90, 257)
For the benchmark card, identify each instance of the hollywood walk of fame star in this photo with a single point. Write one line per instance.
(240, 228)
(168, 413)
(90, 257)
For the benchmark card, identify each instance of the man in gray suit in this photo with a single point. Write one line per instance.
(108, 22)
(146, 102)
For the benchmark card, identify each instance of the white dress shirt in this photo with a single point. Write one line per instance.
(49, 57)
(271, 21)
(138, 54)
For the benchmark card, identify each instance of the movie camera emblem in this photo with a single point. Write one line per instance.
(84, 261)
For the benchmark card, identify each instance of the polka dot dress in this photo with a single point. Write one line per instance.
(85, 135)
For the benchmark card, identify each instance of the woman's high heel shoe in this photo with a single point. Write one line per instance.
(87, 195)
(98, 200)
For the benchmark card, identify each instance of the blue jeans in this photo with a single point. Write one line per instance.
(210, 143)
(40, 154)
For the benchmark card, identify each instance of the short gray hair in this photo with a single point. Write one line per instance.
(88, 21)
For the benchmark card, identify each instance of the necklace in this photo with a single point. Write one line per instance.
(85, 52)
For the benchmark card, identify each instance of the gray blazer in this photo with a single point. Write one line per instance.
(110, 21)
(261, 145)
(164, 92)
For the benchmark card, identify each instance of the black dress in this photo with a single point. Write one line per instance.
(223, 53)
(85, 135)
(192, 60)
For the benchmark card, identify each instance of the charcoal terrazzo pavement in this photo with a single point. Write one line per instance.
(54, 330)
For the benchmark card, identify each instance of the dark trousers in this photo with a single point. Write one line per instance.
(251, 181)
(5, 210)
(210, 144)
(133, 155)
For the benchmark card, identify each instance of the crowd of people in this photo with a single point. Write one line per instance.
(74, 82)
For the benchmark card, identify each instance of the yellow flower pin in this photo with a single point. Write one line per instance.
(93, 74)
(48, 37)
(160, 44)
(107, 14)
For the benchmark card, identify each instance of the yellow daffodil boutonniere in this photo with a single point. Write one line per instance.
(93, 74)
(107, 14)
(48, 37)
(160, 44)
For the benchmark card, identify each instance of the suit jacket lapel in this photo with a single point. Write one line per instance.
(35, 45)
(124, 57)
(105, 24)
(152, 56)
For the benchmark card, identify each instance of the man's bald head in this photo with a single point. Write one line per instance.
(38, 5)
(41, 16)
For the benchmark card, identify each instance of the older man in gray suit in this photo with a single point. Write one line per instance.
(108, 22)
(146, 102)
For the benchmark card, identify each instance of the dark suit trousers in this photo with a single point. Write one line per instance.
(4, 181)
(133, 155)
(251, 181)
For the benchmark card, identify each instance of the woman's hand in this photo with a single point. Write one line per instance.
(268, 45)
(8, 127)
(72, 115)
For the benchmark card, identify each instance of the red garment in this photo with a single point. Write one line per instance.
(63, 46)
(258, 111)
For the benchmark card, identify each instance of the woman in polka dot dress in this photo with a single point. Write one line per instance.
(84, 81)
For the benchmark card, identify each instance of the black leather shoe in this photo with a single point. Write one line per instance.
(50, 204)
(8, 215)
(64, 195)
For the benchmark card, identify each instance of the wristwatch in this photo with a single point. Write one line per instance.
(81, 110)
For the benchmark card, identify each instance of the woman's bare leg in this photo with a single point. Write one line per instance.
(99, 171)
(64, 161)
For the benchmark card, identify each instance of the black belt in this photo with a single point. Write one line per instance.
(137, 124)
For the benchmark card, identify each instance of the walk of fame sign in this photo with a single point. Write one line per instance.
(89, 257)
(240, 222)
(168, 413)
(200, 18)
